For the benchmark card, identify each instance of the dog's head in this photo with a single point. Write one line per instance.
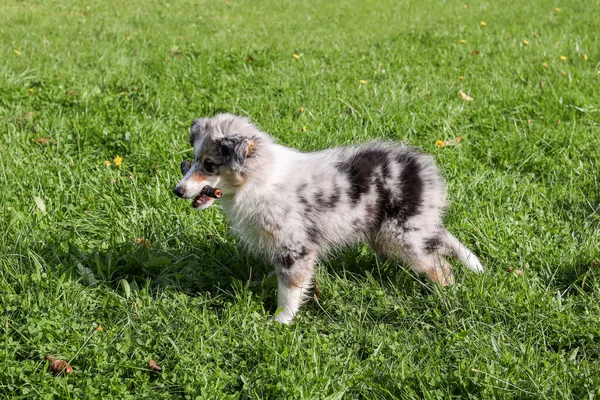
(225, 149)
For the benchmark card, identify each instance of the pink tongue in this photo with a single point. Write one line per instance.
(200, 200)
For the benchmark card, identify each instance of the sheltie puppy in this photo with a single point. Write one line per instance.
(293, 207)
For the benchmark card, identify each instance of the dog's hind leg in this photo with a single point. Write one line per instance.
(295, 271)
(423, 255)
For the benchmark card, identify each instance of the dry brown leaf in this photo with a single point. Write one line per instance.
(27, 115)
(57, 366)
(154, 366)
(44, 140)
(144, 242)
(474, 52)
(515, 271)
(317, 293)
(464, 96)
(453, 142)
(71, 92)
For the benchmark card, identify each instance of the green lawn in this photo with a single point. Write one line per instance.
(84, 245)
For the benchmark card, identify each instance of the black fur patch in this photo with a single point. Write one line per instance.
(399, 208)
(412, 188)
(432, 245)
(333, 199)
(234, 149)
(313, 233)
(301, 193)
(196, 129)
(286, 257)
(318, 197)
(303, 200)
(360, 170)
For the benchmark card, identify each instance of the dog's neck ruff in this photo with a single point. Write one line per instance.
(254, 199)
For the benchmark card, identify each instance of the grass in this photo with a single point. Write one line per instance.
(100, 81)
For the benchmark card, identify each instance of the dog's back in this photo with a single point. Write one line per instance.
(342, 195)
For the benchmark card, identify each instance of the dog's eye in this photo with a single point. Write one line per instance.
(210, 166)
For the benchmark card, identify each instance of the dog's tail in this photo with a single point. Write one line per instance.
(460, 251)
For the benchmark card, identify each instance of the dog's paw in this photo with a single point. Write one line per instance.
(284, 316)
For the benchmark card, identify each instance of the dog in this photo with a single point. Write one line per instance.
(294, 207)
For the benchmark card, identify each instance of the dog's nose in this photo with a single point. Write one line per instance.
(178, 191)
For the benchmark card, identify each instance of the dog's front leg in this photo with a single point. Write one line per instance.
(295, 271)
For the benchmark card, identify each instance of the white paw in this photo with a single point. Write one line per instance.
(477, 267)
(284, 316)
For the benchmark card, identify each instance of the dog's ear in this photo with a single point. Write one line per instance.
(198, 128)
(235, 149)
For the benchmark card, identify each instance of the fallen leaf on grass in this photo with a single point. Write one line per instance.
(464, 96)
(44, 140)
(27, 115)
(515, 271)
(40, 203)
(154, 366)
(57, 366)
(452, 142)
(474, 52)
(144, 242)
(71, 92)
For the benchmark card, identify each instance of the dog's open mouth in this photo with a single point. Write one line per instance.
(202, 201)
(206, 197)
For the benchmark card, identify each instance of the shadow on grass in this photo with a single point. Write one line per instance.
(359, 263)
(213, 268)
(579, 278)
